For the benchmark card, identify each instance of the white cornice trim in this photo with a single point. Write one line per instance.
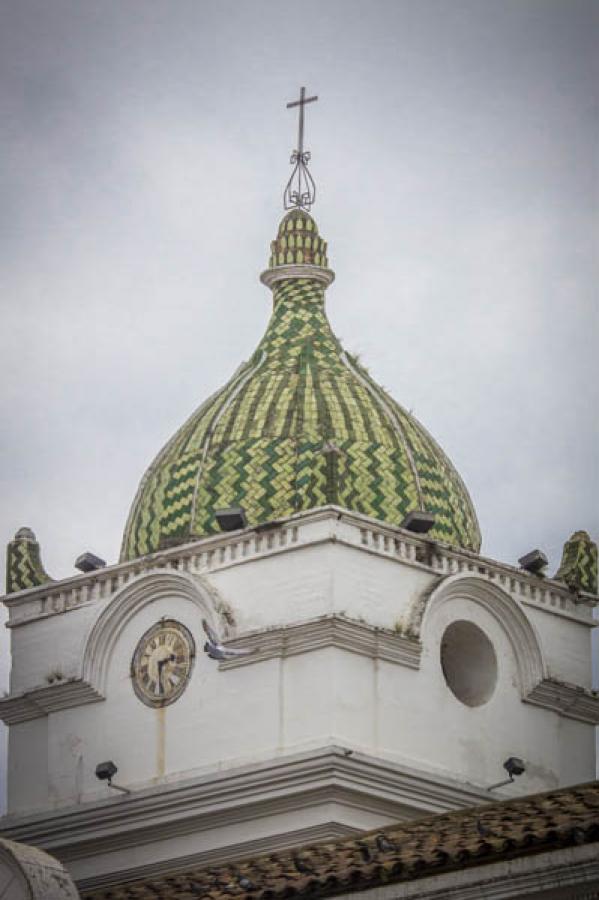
(569, 700)
(326, 775)
(45, 700)
(326, 631)
(221, 552)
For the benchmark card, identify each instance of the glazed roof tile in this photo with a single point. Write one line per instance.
(300, 425)
(409, 850)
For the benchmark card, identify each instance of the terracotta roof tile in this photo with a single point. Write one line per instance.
(408, 850)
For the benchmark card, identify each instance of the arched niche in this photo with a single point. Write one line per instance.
(129, 601)
(500, 606)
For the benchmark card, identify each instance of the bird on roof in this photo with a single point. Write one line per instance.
(384, 844)
(215, 649)
(302, 865)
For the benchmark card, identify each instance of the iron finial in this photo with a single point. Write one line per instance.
(300, 191)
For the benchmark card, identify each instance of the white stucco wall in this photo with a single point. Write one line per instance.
(287, 703)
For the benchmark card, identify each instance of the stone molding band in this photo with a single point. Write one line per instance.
(159, 813)
(327, 631)
(331, 631)
(220, 552)
(45, 700)
(270, 277)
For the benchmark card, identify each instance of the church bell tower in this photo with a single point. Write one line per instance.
(301, 638)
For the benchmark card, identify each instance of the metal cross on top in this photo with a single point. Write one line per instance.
(301, 103)
(300, 190)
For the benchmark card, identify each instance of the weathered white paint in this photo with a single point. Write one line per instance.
(469, 662)
(346, 617)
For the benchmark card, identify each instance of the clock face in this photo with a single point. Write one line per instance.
(162, 663)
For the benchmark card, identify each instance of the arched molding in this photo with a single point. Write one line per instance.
(134, 597)
(503, 608)
(27, 873)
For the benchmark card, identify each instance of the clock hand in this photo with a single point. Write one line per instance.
(160, 665)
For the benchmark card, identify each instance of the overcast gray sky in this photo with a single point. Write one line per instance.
(145, 149)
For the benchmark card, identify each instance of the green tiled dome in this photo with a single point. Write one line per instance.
(300, 425)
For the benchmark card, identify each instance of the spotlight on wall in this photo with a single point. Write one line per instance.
(89, 562)
(105, 771)
(418, 521)
(231, 519)
(513, 766)
(534, 562)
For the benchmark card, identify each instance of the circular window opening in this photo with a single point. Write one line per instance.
(469, 663)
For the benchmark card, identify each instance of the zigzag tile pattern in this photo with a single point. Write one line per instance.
(300, 425)
(24, 567)
(578, 568)
(298, 242)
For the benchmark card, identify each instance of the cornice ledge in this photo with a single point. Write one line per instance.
(323, 632)
(569, 700)
(222, 551)
(44, 700)
(283, 785)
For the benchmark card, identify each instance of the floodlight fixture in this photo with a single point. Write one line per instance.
(513, 766)
(419, 521)
(106, 771)
(232, 518)
(89, 562)
(534, 562)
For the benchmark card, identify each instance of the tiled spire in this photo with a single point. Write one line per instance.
(578, 568)
(24, 567)
(300, 425)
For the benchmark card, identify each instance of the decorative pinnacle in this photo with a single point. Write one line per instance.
(300, 190)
